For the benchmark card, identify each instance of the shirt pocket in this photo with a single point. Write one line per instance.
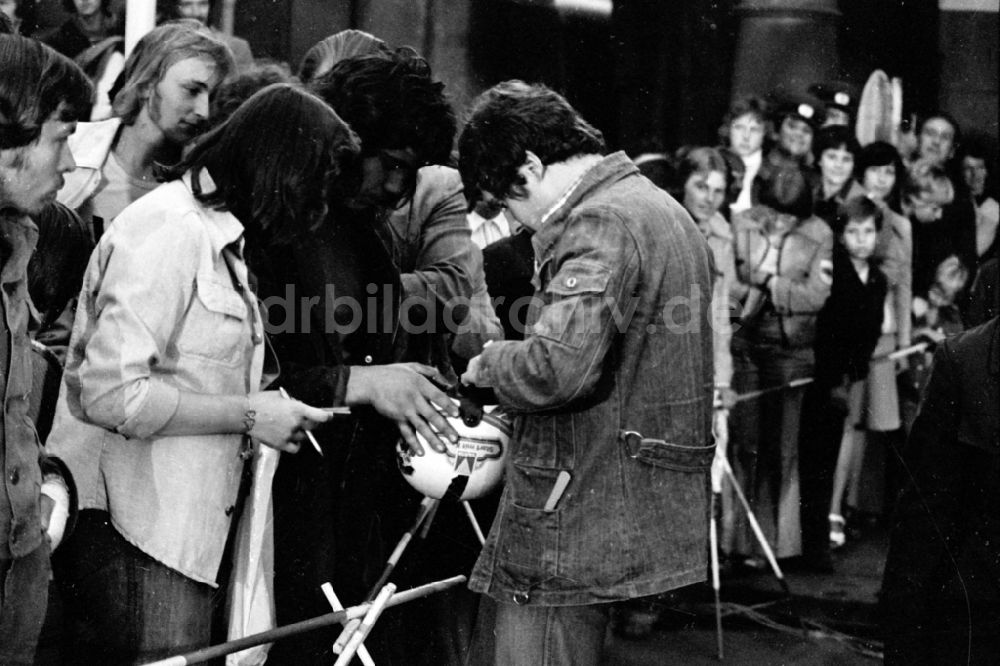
(573, 303)
(216, 323)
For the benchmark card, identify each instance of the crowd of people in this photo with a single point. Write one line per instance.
(222, 255)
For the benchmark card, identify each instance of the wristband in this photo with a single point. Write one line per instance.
(249, 418)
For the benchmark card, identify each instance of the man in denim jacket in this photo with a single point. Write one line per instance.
(607, 486)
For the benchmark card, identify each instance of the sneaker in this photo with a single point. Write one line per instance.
(837, 535)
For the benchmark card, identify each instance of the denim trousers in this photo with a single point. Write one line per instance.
(124, 607)
(24, 585)
(764, 444)
(550, 635)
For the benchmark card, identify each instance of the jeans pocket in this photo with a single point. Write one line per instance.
(661, 453)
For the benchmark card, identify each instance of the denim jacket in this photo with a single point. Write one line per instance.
(164, 308)
(612, 386)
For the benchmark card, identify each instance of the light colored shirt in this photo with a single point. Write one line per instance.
(488, 231)
(164, 309)
(117, 190)
(745, 199)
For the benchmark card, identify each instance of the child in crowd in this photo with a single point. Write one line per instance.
(880, 175)
(847, 329)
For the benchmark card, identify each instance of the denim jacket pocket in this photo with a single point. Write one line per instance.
(661, 453)
(216, 317)
(579, 276)
(571, 303)
(528, 549)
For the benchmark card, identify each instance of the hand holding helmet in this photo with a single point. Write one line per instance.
(469, 467)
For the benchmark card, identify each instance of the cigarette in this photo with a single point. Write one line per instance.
(309, 435)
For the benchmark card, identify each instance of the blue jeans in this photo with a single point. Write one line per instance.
(24, 586)
(550, 635)
(124, 607)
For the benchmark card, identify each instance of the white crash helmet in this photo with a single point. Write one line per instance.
(470, 468)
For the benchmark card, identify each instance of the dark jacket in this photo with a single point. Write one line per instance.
(942, 575)
(849, 325)
(24, 461)
(611, 385)
(509, 266)
(55, 274)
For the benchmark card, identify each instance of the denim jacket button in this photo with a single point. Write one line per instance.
(571, 282)
(15, 476)
(520, 598)
(368, 359)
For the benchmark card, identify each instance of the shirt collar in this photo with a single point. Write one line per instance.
(476, 221)
(92, 141)
(609, 169)
(224, 228)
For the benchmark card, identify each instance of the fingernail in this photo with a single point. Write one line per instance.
(454, 439)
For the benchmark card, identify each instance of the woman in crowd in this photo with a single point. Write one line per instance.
(702, 184)
(162, 105)
(836, 150)
(743, 131)
(879, 173)
(161, 410)
(783, 265)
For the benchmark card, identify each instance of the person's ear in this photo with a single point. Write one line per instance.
(532, 166)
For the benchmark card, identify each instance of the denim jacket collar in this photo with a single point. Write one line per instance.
(611, 168)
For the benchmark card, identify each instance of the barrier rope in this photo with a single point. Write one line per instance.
(804, 381)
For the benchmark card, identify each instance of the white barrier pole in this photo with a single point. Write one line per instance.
(140, 18)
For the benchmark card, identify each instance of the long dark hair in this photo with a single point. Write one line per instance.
(273, 162)
(35, 82)
(881, 153)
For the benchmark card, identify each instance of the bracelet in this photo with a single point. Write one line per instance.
(249, 418)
